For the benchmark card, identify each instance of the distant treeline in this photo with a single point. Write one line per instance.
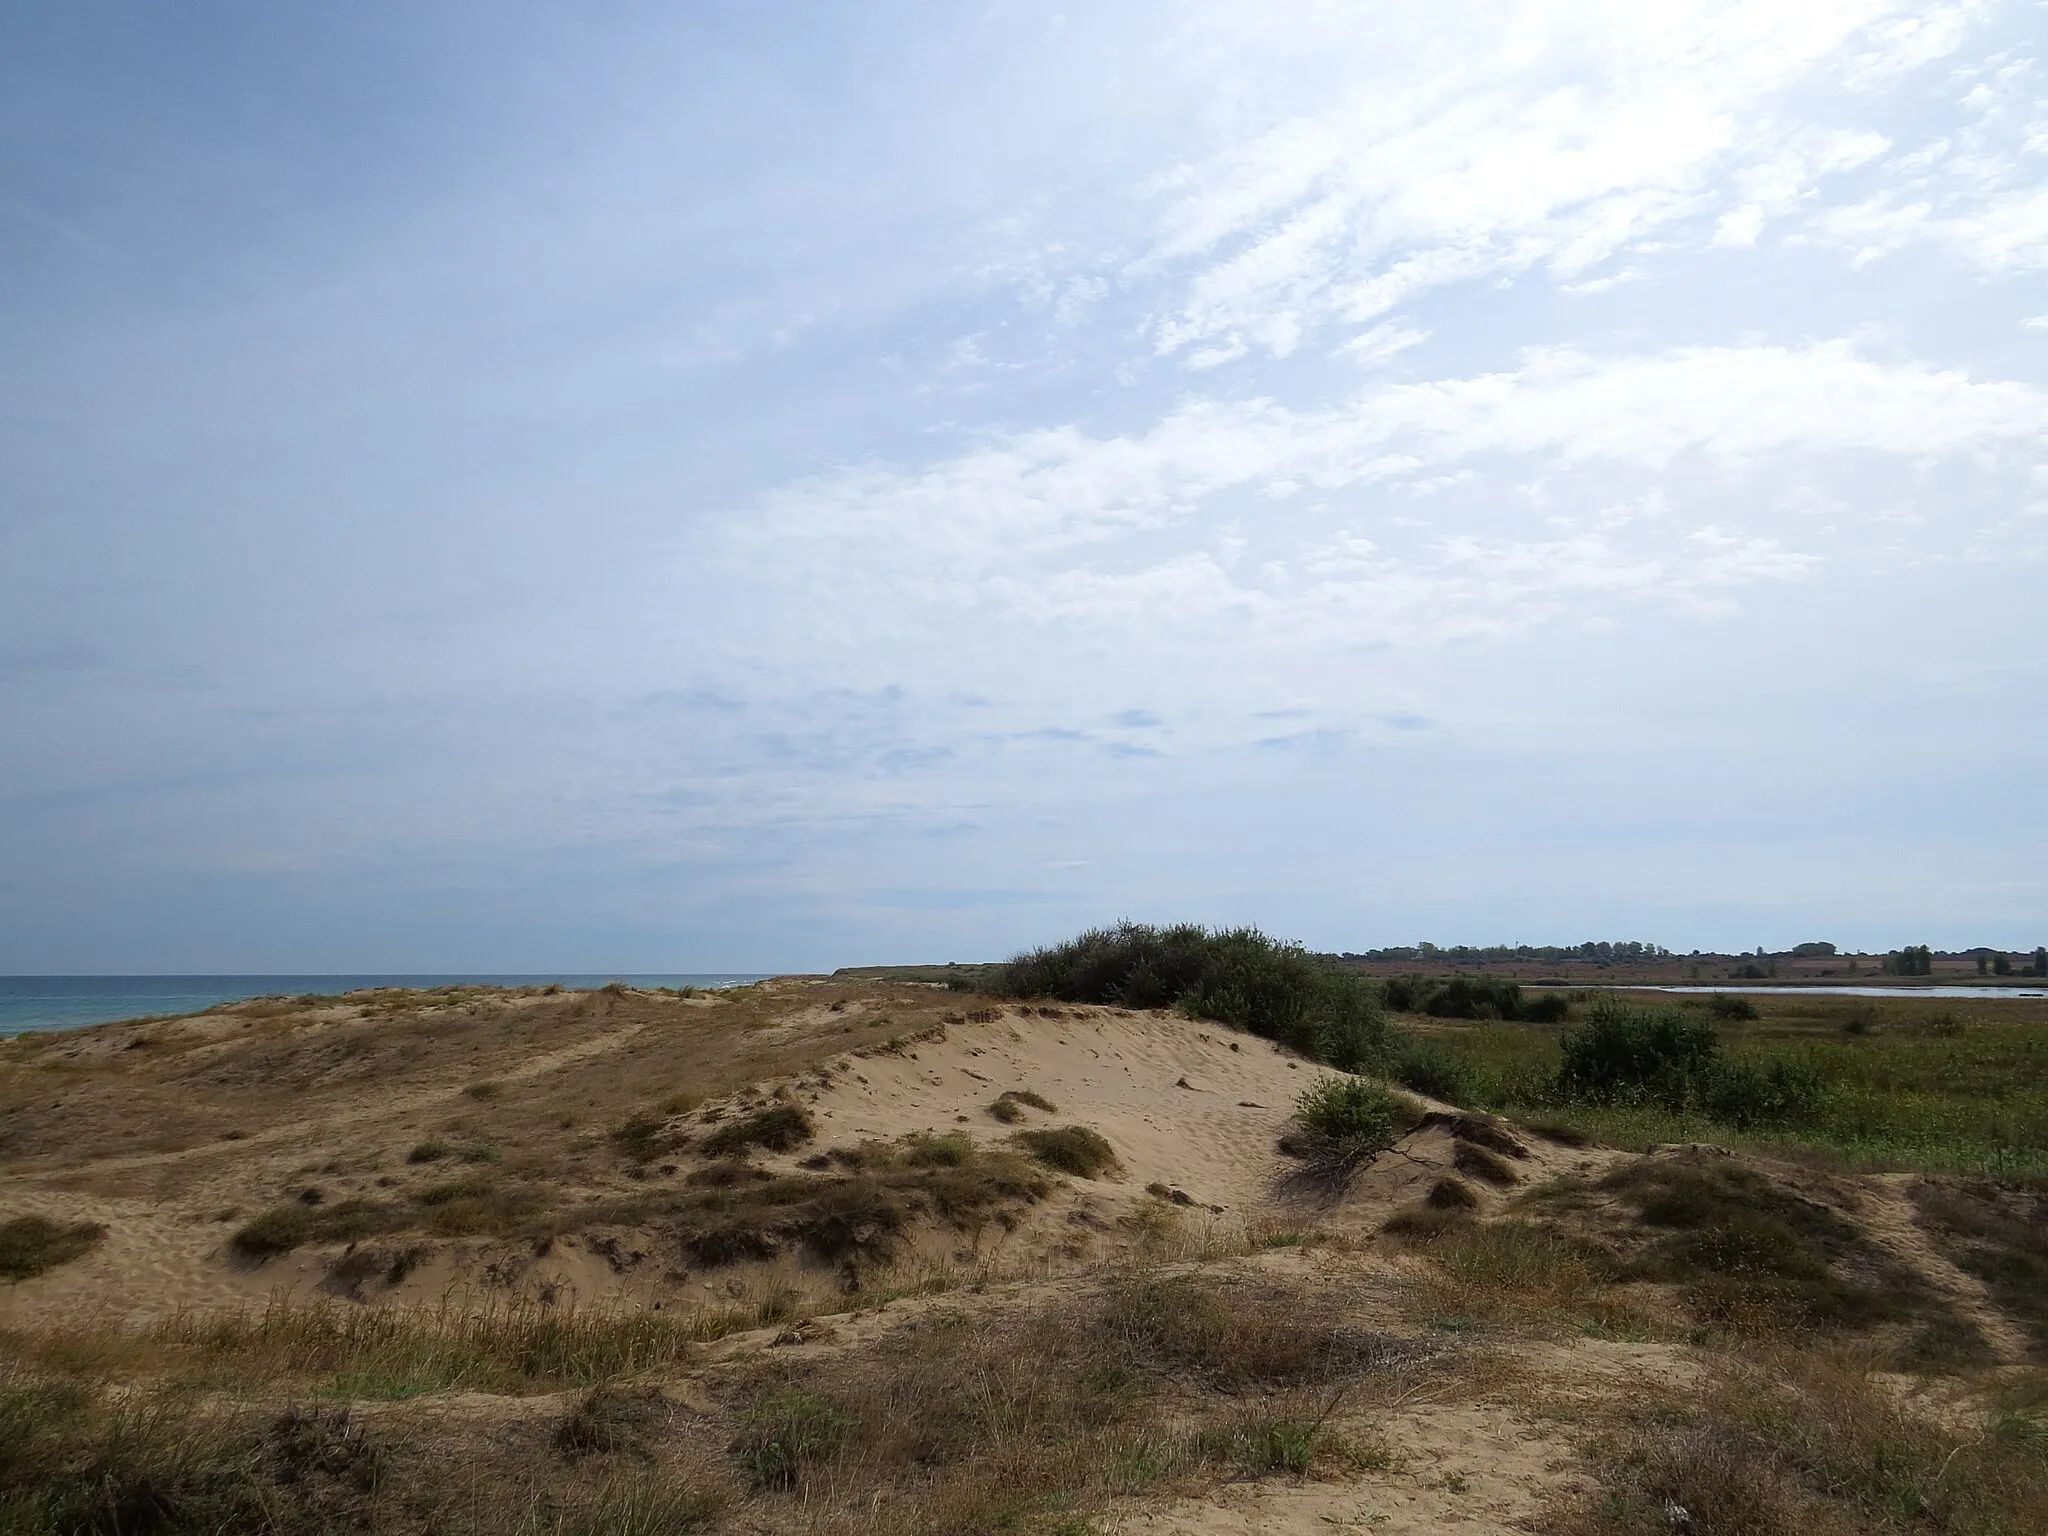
(1601, 952)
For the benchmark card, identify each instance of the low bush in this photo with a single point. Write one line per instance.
(1421, 1066)
(1236, 976)
(30, 1245)
(776, 1128)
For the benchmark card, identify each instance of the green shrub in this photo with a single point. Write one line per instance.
(1727, 1006)
(1236, 976)
(1426, 1067)
(1623, 1054)
(1346, 1121)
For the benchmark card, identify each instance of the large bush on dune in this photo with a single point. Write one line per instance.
(1236, 976)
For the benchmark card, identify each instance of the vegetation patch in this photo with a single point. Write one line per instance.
(1997, 1231)
(1751, 1253)
(778, 1127)
(1344, 1122)
(1814, 1449)
(1009, 1105)
(30, 1245)
(1236, 976)
(1475, 997)
(1076, 1149)
(284, 1227)
(858, 1218)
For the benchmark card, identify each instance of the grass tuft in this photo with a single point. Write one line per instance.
(32, 1245)
(1074, 1149)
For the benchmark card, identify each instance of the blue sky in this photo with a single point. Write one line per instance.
(529, 486)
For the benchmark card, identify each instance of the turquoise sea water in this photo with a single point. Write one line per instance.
(66, 1002)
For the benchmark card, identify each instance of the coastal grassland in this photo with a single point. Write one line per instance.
(1028, 1414)
(1914, 1084)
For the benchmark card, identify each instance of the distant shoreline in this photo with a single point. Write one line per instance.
(34, 1004)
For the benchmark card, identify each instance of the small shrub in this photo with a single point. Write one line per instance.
(483, 1090)
(278, 1230)
(429, 1152)
(1346, 1121)
(1074, 1149)
(1728, 1006)
(776, 1128)
(1452, 1195)
(30, 1245)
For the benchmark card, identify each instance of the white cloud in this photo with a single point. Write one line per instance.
(1547, 138)
(1178, 540)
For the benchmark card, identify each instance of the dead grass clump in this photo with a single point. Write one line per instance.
(30, 1245)
(643, 1138)
(1006, 1107)
(429, 1152)
(775, 1128)
(1507, 1270)
(1076, 1149)
(608, 1421)
(476, 1205)
(1452, 1195)
(1479, 1163)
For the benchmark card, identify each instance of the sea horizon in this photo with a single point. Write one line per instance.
(31, 1003)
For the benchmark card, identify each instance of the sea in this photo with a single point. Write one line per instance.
(69, 1002)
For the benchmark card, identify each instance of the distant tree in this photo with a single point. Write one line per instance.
(1913, 960)
(2002, 965)
(1819, 949)
(2041, 960)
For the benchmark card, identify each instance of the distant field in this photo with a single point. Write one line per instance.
(1957, 1086)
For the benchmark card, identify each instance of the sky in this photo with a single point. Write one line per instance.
(528, 486)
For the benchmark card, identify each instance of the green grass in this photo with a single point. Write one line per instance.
(1940, 1087)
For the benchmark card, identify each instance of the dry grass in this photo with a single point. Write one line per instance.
(1802, 1443)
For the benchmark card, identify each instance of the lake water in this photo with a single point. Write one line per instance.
(67, 1002)
(1766, 989)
